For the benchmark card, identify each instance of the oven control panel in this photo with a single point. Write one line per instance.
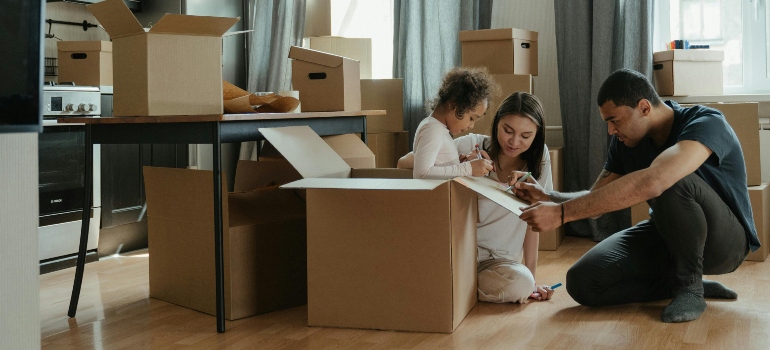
(61, 101)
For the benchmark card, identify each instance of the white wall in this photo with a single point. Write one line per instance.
(537, 16)
(19, 284)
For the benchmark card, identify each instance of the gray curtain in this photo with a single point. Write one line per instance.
(426, 45)
(277, 25)
(594, 38)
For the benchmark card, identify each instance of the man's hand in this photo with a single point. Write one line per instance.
(542, 216)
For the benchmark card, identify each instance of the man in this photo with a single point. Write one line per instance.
(688, 165)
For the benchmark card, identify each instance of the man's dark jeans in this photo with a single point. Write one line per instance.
(692, 232)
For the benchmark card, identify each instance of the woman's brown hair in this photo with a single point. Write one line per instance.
(526, 105)
(465, 87)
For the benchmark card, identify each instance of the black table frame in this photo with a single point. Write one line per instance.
(208, 132)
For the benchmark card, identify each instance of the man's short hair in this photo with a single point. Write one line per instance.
(625, 87)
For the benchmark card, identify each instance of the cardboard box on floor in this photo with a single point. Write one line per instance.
(264, 239)
(388, 147)
(639, 212)
(551, 240)
(325, 82)
(744, 119)
(359, 49)
(175, 68)
(384, 253)
(86, 63)
(688, 72)
(502, 51)
(383, 94)
(509, 83)
(760, 208)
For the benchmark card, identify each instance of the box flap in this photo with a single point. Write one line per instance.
(317, 57)
(497, 34)
(116, 18)
(492, 189)
(250, 175)
(367, 184)
(269, 204)
(193, 25)
(382, 173)
(82, 46)
(352, 150)
(689, 55)
(307, 152)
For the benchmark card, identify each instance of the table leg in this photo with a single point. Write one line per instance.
(363, 134)
(218, 236)
(86, 221)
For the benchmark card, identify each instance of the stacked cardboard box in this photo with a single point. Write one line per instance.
(385, 133)
(550, 240)
(688, 72)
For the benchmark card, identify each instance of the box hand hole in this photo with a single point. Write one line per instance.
(316, 76)
(657, 66)
(79, 56)
(524, 45)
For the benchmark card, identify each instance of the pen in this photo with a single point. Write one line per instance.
(478, 151)
(557, 285)
(536, 294)
(521, 179)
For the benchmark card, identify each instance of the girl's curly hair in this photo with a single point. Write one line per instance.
(466, 88)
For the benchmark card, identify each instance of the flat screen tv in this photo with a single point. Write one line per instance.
(21, 65)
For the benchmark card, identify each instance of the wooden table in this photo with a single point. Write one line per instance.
(198, 129)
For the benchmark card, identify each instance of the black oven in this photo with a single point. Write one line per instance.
(61, 165)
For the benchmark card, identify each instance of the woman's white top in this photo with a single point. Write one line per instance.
(500, 232)
(435, 153)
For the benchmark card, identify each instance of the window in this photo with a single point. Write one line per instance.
(367, 19)
(740, 28)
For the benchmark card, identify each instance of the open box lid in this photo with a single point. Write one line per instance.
(497, 34)
(492, 189)
(193, 25)
(307, 152)
(317, 57)
(688, 55)
(366, 184)
(116, 18)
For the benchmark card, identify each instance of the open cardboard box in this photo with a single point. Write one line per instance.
(264, 239)
(385, 253)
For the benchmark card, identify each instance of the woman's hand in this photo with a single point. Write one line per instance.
(543, 292)
(481, 167)
(528, 190)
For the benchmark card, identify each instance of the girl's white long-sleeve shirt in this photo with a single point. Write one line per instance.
(435, 153)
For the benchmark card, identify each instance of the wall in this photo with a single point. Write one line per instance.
(19, 285)
(537, 16)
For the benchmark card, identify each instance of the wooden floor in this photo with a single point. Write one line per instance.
(116, 313)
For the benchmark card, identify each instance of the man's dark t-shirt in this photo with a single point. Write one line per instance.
(724, 170)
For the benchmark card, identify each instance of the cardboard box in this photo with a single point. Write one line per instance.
(744, 119)
(318, 18)
(639, 212)
(502, 51)
(175, 68)
(760, 208)
(764, 154)
(264, 240)
(551, 240)
(509, 83)
(325, 82)
(688, 72)
(383, 253)
(345, 146)
(86, 63)
(383, 94)
(388, 147)
(359, 49)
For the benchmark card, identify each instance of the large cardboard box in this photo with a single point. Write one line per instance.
(384, 253)
(502, 51)
(388, 147)
(175, 68)
(760, 208)
(264, 239)
(325, 82)
(509, 83)
(359, 49)
(383, 94)
(744, 119)
(551, 240)
(86, 63)
(688, 72)
(318, 18)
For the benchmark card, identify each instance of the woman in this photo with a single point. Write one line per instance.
(507, 248)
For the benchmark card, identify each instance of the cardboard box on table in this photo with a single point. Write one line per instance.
(388, 147)
(688, 72)
(86, 63)
(509, 83)
(325, 82)
(175, 68)
(387, 95)
(384, 253)
(502, 51)
(551, 240)
(744, 119)
(359, 49)
(264, 233)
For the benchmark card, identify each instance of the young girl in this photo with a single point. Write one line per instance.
(507, 248)
(462, 99)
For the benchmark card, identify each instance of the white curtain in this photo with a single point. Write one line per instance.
(277, 25)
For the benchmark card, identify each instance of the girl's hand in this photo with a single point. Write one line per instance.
(481, 167)
(543, 292)
(474, 155)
